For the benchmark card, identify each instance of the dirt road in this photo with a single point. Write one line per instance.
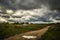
(37, 34)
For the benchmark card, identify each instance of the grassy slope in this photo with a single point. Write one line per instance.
(7, 30)
(53, 33)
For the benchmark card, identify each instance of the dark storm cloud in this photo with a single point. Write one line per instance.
(22, 4)
(41, 10)
(54, 4)
(30, 4)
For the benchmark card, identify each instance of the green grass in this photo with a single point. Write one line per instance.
(53, 33)
(7, 30)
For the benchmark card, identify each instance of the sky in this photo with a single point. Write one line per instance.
(30, 10)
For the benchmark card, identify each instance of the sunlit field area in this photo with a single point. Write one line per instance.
(8, 30)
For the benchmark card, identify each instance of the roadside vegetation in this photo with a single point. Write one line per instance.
(53, 33)
(7, 30)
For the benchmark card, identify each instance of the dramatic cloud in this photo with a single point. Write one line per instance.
(43, 14)
(30, 10)
(30, 4)
(22, 4)
(54, 4)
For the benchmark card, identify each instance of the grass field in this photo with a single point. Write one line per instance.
(7, 30)
(53, 33)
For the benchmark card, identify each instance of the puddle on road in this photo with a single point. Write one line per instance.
(29, 37)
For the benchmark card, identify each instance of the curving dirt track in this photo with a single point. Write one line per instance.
(37, 33)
